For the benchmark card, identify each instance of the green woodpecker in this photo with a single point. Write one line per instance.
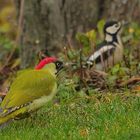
(31, 90)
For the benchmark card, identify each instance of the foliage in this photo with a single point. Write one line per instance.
(6, 47)
(9, 61)
(8, 67)
(8, 18)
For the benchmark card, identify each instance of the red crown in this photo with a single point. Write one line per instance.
(45, 61)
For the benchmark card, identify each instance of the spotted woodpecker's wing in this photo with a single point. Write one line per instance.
(103, 52)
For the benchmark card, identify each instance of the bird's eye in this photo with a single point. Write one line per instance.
(58, 64)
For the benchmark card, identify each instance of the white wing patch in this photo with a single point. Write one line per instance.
(99, 53)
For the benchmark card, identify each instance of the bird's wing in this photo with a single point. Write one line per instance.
(103, 52)
(29, 85)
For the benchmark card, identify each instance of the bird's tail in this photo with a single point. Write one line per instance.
(12, 115)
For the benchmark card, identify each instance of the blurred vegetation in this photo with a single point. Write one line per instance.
(9, 57)
(8, 22)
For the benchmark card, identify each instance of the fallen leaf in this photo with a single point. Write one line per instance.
(137, 88)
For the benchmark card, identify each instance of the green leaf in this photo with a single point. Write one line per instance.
(71, 55)
(91, 35)
(111, 79)
(100, 27)
(84, 40)
(115, 69)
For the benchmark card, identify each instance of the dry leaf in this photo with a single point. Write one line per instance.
(137, 88)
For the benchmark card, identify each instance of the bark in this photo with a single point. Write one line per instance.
(122, 10)
(33, 37)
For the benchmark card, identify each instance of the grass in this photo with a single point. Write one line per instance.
(78, 117)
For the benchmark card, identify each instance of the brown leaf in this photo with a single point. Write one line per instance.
(137, 88)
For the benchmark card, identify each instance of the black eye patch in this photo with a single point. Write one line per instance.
(109, 24)
(58, 64)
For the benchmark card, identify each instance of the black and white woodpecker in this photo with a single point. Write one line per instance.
(110, 51)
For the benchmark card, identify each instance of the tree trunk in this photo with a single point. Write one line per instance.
(122, 10)
(33, 37)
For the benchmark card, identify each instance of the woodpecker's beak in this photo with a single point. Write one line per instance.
(122, 24)
(60, 67)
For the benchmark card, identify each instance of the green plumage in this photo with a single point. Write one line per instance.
(36, 86)
(27, 87)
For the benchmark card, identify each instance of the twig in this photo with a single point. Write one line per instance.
(69, 43)
(102, 73)
(81, 62)
(130, 81)
(20, 21)
(103, 63)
